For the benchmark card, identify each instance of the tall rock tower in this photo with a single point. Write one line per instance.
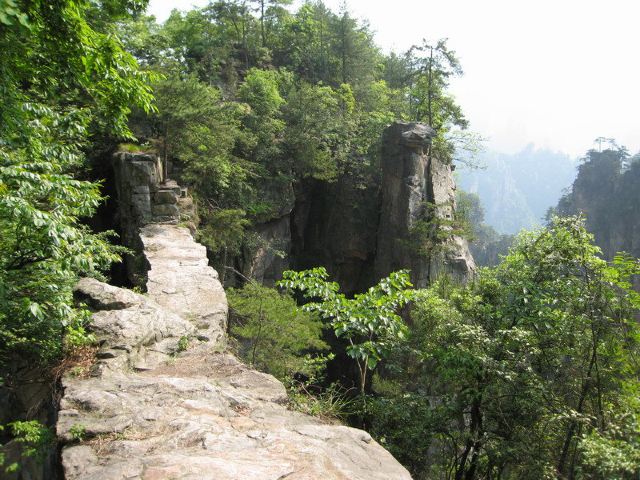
(418, 199)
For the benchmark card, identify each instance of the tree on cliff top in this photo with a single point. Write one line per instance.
(431, 68)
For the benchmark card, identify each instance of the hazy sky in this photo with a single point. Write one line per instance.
(556, 73)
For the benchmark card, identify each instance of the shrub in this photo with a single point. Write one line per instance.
(273, 332)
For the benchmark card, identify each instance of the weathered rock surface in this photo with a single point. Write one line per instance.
(358, 227)
(416, 185)
(181, 280)
(266, 257)
(145, 197)
(133, 330)
(152, 411)
(266, 262)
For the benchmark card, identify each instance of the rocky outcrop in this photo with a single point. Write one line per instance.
(417, 187)
(181, 280)
(144, 196)
(605, 192)
(360, 227)
(334, 225)
(164, 401)
(267, 254)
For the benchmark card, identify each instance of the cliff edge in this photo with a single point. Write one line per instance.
(165, 401)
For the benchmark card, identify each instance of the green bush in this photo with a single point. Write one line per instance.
(274, 334)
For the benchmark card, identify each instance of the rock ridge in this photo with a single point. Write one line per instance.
(164, 401)
(361, 227)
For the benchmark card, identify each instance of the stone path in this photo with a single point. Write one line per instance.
(151, 411)
(181, 280)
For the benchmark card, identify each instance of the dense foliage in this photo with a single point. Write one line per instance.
(369, 322)
(63, 78)
(275, 335)
(527, 372)
(256, 99)
(606, 193)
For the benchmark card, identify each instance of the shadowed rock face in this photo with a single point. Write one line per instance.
(360, 230)
(144, 198)
(152, 410)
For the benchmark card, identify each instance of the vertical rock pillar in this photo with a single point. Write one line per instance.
(417, 187)
(144, 198)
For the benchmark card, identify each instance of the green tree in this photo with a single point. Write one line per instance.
(354, 49)
(202, 132)
(63, 76)
(536, 356)
(319, 134)
(275, 334)
(262, 92)
(369, 321)
(268, 9)
(432, 67)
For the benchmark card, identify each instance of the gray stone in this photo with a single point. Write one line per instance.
(76, 459)
(101, 296)
(181, 280)
(131, 328)
(411, 179)
(415, 135)
(165, 210)
(268, 260)
(197, 414)
(165, 196)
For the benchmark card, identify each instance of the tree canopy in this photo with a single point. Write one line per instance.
(257, 95)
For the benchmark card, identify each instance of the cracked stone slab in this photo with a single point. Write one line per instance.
(202, 417)
(181, 280)
(154, 412)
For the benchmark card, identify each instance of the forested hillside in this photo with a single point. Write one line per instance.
(258, 105)
(606, 192)
(320, 168)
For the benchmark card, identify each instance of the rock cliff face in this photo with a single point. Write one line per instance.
(164, 401)
(361, 233)
(143, 198)
(335, 225)
(416, 186)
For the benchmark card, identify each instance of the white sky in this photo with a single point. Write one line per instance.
(556, 73)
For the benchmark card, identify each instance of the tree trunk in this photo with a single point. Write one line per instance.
(573, 425)
(474, 443)
(264, 41)
(429, 88)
